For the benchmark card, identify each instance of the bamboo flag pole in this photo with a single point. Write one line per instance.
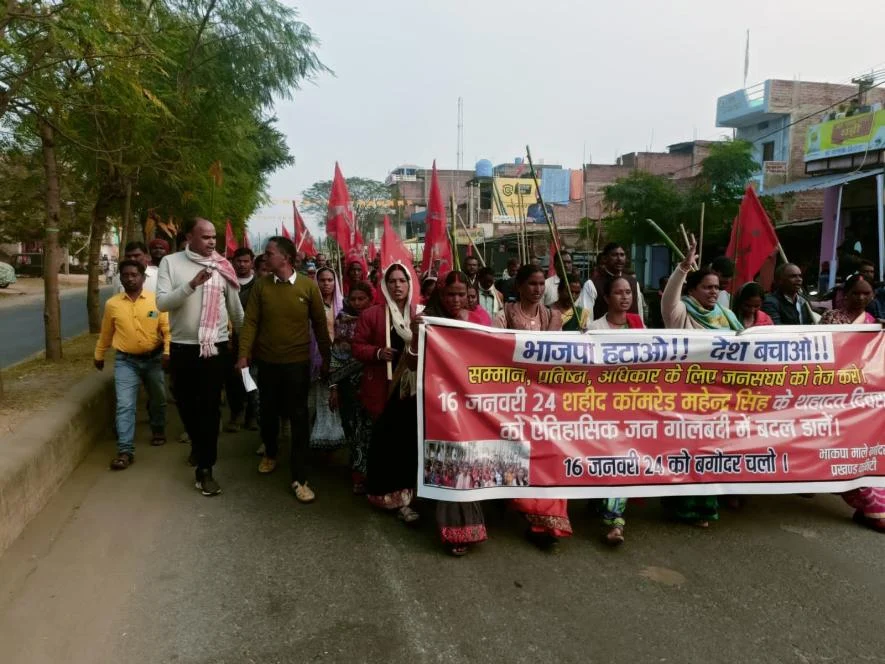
(456, 257)
(666, 239)
(387, 340)
(470, 240)
(701, 236)
(551, 223)
(694, 266)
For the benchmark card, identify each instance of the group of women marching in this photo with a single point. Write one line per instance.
(372, 384)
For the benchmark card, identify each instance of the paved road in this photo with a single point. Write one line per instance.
(138, 567)
(21, 329)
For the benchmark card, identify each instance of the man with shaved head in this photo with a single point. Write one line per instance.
(785, 305)
(199, 289)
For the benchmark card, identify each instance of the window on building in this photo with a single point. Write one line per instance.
(768, 151)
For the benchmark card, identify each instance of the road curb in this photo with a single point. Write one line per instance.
(44, 451)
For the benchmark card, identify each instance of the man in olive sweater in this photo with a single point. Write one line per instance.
(276, 336)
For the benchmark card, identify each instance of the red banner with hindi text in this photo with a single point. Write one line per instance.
(625, 413)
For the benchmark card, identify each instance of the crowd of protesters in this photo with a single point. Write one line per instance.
(334, 359)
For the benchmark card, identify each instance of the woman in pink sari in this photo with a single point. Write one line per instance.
(548, 518)
(868, 503)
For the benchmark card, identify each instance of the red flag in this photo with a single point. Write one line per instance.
(469, 248)
(393, 250)
(340, 222)
(303, 238)
(230, 240)
(752, 239)
(436, 239)
(551, 269)
(246, 242)
(286, 232)
(372, 250)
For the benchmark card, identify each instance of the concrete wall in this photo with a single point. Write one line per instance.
(42, 453)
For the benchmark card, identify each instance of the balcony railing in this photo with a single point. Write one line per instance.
(740, 103)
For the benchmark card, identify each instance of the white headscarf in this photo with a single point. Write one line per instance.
(401, 319)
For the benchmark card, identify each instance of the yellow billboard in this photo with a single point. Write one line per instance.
(511, 199)
(859, 133)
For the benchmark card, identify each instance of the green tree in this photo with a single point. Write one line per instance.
(720, 186)
(638, 197)
(371, 201)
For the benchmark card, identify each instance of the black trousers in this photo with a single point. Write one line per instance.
(237, 397)
(198, 383)
(283, 391)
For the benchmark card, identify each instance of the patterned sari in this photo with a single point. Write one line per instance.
(545, 515)
(866, 500)
(346, 373)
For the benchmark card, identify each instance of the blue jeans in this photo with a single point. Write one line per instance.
(129, 372)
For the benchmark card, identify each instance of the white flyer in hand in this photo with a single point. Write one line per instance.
(248, 383)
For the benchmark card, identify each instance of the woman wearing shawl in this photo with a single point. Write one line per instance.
(698, 309)
(387, 392)
(574, 318)
(460, 524)
(868, 503)
(326, 432)
(346, 372)
(548, 518)
(618, 296)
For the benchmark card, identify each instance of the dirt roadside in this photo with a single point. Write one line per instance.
(34, 386)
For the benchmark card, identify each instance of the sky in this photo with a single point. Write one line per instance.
(616, 77)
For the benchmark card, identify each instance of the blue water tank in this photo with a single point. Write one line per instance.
(484, 169)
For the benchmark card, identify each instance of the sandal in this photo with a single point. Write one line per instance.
(615, 536)
(875, 524)
(458, 550)
(158, 439)
(408, 515)
(122, 461)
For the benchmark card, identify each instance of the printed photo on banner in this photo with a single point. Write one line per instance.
(479, 465)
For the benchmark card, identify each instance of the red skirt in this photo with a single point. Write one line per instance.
(545, 515)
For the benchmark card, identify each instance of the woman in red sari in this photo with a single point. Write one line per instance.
(382, 339)
(548, 518)
(868, 503)
(460, 524)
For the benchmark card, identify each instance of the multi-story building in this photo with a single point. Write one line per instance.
(812, 140)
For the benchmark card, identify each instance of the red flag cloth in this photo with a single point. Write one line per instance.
(372, 250)
(470, 249)
(230, 240)
(286, 232)
(393, 250)
(340, 222)
(551, 269)
(436, 240)
(752, 239)
(303, 238)
(246, 242)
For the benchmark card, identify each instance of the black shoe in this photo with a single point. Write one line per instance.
(206, 483)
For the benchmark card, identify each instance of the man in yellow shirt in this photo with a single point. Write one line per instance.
(139, 332)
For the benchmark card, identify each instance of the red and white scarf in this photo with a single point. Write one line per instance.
(213, 297)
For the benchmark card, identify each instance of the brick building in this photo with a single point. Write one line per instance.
(775, 116)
